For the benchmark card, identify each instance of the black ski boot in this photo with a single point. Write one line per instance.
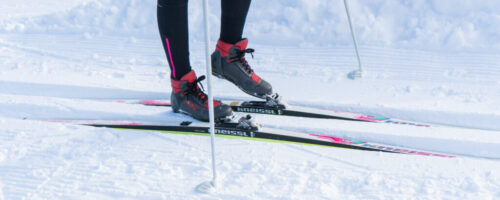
(187, 97)
(228, 62)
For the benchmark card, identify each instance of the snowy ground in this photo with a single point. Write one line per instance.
(434, 62)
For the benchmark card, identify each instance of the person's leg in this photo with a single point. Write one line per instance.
(186, 97)
(233, 16)
(172, 18)
(228, 60)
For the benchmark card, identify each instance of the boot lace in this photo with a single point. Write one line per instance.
(240, 57)
(195, 90)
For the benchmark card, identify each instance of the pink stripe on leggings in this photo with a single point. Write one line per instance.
(170, 56)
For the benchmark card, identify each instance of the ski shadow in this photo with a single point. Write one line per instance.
(77, 92)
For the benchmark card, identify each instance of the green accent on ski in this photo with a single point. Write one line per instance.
(235, 137)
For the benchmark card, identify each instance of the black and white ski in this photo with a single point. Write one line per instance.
(246, 129)
(272, 107)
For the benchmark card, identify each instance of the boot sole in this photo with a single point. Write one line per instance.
(242, 89)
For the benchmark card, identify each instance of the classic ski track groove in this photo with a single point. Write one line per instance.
(425, 61)
(344, 133)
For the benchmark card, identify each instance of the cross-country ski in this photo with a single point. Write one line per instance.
(243, 129)
(264, 107)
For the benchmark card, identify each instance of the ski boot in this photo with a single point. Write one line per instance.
(228, 62)
(187, 97)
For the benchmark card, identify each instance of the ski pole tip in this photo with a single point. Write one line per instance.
(206, 187)
(356, 74)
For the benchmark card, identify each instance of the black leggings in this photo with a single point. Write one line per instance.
(173, 25)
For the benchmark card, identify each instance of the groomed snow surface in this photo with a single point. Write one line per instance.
(428, 61)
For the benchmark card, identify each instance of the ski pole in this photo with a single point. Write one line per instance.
(209, 186)
(356, 73)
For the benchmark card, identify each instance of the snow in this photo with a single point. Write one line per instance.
(427, 61)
